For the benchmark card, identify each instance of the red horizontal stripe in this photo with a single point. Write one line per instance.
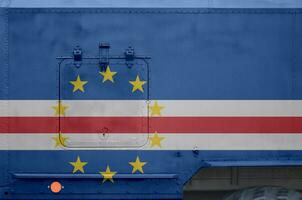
(227, 124)
(159, 124)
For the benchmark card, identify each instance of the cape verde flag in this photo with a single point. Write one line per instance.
(109, 113)
(85, 116)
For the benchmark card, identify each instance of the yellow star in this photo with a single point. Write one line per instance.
(78, 165)
(137, 84)
(108, 175)
(156, 109)
(60, 140)
(78, 84)
(137, 165)
(156, 140)
(108, 75)
(60, 109)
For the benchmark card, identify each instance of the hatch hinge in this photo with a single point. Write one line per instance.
(104, 55)
(129, 56)
(77, 56)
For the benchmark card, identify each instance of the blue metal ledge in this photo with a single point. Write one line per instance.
(92, 176)
(152, 4)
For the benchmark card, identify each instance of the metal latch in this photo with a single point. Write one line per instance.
(104, 55)
(129, 56)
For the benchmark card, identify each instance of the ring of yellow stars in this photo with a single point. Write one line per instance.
(137, 165)
(156, 109)
(108, 75)
(78, 84)
(60, 140)
(78, 165)
(108, 174)
(137, 84)
(60, 109)
(156, 140)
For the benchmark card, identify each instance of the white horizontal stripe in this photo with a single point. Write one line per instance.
(232, 108)
(170, 141)
(76, 108)
(140, 107)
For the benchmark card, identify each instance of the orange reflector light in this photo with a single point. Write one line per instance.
(55, 187)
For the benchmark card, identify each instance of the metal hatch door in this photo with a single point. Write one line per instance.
(103, 100)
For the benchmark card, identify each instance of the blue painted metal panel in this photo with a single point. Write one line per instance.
(168, 170)
(229, 54)
(3, 86)
(297, 56)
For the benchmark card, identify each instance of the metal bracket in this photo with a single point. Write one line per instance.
(104, 57)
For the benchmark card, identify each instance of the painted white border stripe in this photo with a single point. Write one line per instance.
(139, 107)
(170, 142)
